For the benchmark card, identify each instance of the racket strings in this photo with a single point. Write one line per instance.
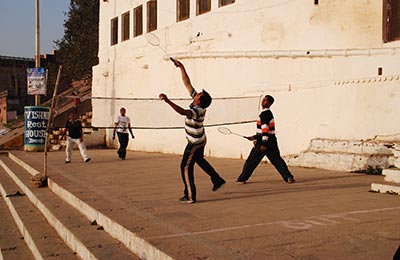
(224, 130)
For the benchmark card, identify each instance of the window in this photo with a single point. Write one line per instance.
(183, 10)
(138, 21)
(125, 27)
(391, 20)
(203, 6)
(225, 2)
(114, 31)
(151, 15)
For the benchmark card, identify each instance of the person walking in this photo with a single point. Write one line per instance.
(75, 135)
(196, 137)
(265, 145)
(122, 125)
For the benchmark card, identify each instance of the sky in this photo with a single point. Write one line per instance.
(17, 26)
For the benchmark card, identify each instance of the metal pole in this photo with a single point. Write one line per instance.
(51, 120)
(37, 58)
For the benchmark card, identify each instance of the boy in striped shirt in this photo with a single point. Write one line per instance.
(196, 137)
(265, 145)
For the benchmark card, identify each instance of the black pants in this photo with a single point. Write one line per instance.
(273, 155)
(194, 153)
(123, 143)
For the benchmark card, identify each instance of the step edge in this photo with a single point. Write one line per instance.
(21, 226)
(139, 246)
(69, 238)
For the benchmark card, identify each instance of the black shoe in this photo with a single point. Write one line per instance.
(185, 200)
(88, 160)
(219, 185)
(67, 161)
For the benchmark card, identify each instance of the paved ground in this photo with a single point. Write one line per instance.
(325, 215)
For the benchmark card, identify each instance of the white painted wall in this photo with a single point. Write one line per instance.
(319, 62)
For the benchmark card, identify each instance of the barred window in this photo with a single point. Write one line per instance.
(151, 15)
(391, 20)
(183, 10)
(203, 6)
(125, 26)
(138, 21)
(225, 2)
(114, 31)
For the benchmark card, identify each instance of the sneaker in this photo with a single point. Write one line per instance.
(67, 161)
(240, 182)
(218, 185)
(88, 160)
(291, 180)
(185, 200)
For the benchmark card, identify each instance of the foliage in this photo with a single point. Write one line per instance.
(78, 49)
(371, 170)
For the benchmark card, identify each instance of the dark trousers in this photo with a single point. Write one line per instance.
(194, 153)
(273, 155)
(123, 140)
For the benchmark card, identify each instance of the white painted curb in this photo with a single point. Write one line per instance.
(392, 175)
(383, 188)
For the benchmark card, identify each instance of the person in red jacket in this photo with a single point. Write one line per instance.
(265, 145)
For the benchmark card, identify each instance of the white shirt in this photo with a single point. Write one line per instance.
(123, 122)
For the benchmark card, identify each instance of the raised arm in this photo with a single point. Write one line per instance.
(185, 76)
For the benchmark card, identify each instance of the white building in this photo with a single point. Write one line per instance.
(333, 67)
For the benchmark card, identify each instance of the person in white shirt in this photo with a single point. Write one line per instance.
(122, 125)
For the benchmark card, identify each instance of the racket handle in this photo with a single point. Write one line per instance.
(174, 62)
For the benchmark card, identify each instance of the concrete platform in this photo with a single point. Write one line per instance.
(324, 215)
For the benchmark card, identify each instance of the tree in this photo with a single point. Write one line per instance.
(78, 49)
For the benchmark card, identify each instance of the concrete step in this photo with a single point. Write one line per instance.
(11, 240)
(392, 175)
(347, 155)
(352, 146)
(42, 240)
(87, 240)
(339, 161)
(386, 188)
(103, 215)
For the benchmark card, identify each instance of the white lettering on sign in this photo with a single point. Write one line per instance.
(37, 115)
(35, 133)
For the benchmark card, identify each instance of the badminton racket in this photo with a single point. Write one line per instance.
(227, 131)
(153, 40)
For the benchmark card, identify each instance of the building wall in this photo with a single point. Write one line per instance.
(320, 62)
(13, 80)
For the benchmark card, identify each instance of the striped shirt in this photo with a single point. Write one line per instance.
(194, 128)
(265, 126)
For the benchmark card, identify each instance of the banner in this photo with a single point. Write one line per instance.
(36, 119)
(36, 81)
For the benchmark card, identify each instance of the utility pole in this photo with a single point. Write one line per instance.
(37, 34)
